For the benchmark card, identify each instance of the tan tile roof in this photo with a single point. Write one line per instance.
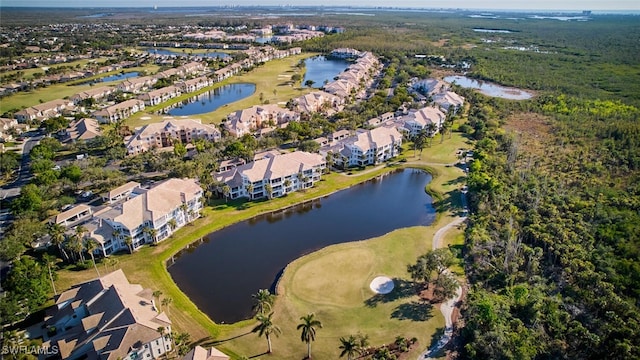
(281, 165)
(200, 353)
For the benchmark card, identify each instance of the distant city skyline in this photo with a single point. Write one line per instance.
(573, 5)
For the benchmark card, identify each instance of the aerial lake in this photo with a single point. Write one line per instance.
(211, 100)
(187, 52)
(114, 77)
(320, 68)
(221, 273)
(488, 88)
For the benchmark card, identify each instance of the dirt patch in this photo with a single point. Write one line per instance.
(440, 43)
(532, 130)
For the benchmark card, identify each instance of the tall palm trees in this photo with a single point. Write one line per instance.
(266, 327)
(91, 245)
(308, 334)
(349, 347)
(263, 301)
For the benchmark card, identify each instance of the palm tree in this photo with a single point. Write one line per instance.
(128, 240)
(151, 232)
(308, 333)
(184, 207)
(50, 260)
(166, 302)
(56, 231)
(264, 301)
(250, 191)
(350, 346)
(269, 189)
(156, 295)
(91, 245)
(266, 327)
(80, 231)
(226, 190)
(173, 224)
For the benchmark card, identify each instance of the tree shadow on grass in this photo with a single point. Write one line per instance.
(402, 289)
(416, 310)
(208, 341)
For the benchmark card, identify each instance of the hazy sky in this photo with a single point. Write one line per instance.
(466, 4)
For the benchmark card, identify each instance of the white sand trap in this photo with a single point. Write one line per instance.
(381, 285)
(145, 118)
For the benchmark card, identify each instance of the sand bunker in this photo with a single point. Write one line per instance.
(381, 285)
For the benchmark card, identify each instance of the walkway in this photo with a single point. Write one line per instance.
(447, 307)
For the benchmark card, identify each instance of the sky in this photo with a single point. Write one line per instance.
(450, 4)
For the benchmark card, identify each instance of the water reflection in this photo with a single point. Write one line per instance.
(488, 88)
(221, 275)
(210, 100)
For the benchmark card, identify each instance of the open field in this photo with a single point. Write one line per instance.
(388, 254)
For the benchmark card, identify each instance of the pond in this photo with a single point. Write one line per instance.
(211, 100)
(231, 264)
(187, 52)
(488, 88)
(114, 77)
(320, 68)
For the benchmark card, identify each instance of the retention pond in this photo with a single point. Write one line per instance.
(221, 273)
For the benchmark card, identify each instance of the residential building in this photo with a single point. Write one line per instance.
(83, 129)
(369, 147)
(429, 118)
(44, 111)
(136, 85)
(449, 101)
(166, 133)
(123, 192)
(317, 102)
(200, 353)
(149, 216)
(274, 175)
(158, 96)
(196, 84)
(119, 111)
(248, 120)
(107, 318)
(96, 94)
(430, 86)
(73, 216)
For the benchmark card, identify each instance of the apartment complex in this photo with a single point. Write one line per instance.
(107, 318)
(274, 175)
(166, 133)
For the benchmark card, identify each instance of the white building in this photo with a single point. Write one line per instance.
(107, 318)
(166, 133)
(148, 216)
(274, 175)
(369, 147)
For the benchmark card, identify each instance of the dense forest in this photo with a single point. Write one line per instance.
(553, 243)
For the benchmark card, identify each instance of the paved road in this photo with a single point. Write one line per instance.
(24, 174)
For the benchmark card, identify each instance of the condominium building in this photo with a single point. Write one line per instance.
(274, 175)
(166, 133)
(107, 318)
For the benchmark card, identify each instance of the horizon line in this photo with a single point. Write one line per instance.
(315, 7)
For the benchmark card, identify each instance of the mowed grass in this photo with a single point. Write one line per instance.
(333, 283)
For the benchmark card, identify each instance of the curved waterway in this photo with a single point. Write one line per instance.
(211, 100)
(221, 273)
